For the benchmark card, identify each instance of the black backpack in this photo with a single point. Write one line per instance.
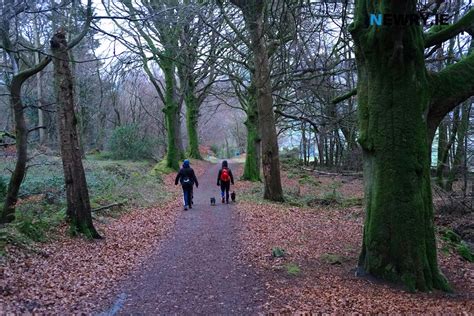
(186, 181)
(186, 178)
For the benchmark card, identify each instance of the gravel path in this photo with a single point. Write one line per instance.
(195, 270)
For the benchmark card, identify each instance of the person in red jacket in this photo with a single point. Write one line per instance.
(224, 179)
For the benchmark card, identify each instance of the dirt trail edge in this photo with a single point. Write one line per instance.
(195, 270)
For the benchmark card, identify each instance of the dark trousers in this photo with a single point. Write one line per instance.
(188, 195)
(225, 187)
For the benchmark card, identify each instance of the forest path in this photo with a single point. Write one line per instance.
(195, 270)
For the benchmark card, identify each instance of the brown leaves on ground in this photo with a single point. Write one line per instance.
(323, 244)
(75, 275)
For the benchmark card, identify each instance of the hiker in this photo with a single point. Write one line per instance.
(224, 179)
(187, 178)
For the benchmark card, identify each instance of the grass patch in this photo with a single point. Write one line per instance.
(162, 168)
(36, 226)
(292, 269)
(331, 258)
(42, 200)
(455, 243)
(306, 179)
(353, 201)
(463, 250)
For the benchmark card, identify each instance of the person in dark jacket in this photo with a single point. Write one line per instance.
(224, 179)
(188, 179)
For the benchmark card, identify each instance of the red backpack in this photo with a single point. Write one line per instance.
(225, 175)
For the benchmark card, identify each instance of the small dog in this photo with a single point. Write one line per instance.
(213, 201)
(232, 196)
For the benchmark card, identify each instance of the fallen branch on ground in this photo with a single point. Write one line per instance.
(107, 206)
(324, 173)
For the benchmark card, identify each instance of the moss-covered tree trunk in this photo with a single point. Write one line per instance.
(252, 159)
(192, 116)
(21, 141)
(171, 110)
(21, 74)
(393, 94)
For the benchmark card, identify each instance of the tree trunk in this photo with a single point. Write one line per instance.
(78, 204)
(171, 110)
(21, 139)
(446, 147)
(192, 115)
(39, 90)
(227, 150)
(399, 240)
(326, 151)
(253, 12)
(7, 214)
(252, 160)
(269, 141)
(459, 152)
(331, 150)
(316, 142)
(320, 143)
(442, 145)
(303, 143)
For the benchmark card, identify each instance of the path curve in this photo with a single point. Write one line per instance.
(195, 271)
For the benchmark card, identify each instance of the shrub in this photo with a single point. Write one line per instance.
(215, 149)
(465, 252)
(278, 252)
(127, 143)
(35, 220)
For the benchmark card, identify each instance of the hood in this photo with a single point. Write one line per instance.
(224, 164)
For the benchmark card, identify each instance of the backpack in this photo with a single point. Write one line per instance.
(186, 180)
(225, 175)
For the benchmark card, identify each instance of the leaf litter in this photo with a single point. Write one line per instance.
(76, 275)
(324, 243)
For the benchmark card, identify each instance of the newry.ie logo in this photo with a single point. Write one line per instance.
(419, 18)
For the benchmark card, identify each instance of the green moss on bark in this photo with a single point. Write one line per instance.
(252, 160)
(252, 165)
(192, 115)
(399, 241)
(173, 154)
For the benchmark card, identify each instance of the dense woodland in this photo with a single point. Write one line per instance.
(271, 81)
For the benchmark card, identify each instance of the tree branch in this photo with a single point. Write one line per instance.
(7, 134)
(7, 144)
(85, 28)
(450, 87)
(344, 96)
(439, 34)
(27, 73)
(36, 128)
(299, 118)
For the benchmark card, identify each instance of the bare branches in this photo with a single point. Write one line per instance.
(299, 118)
